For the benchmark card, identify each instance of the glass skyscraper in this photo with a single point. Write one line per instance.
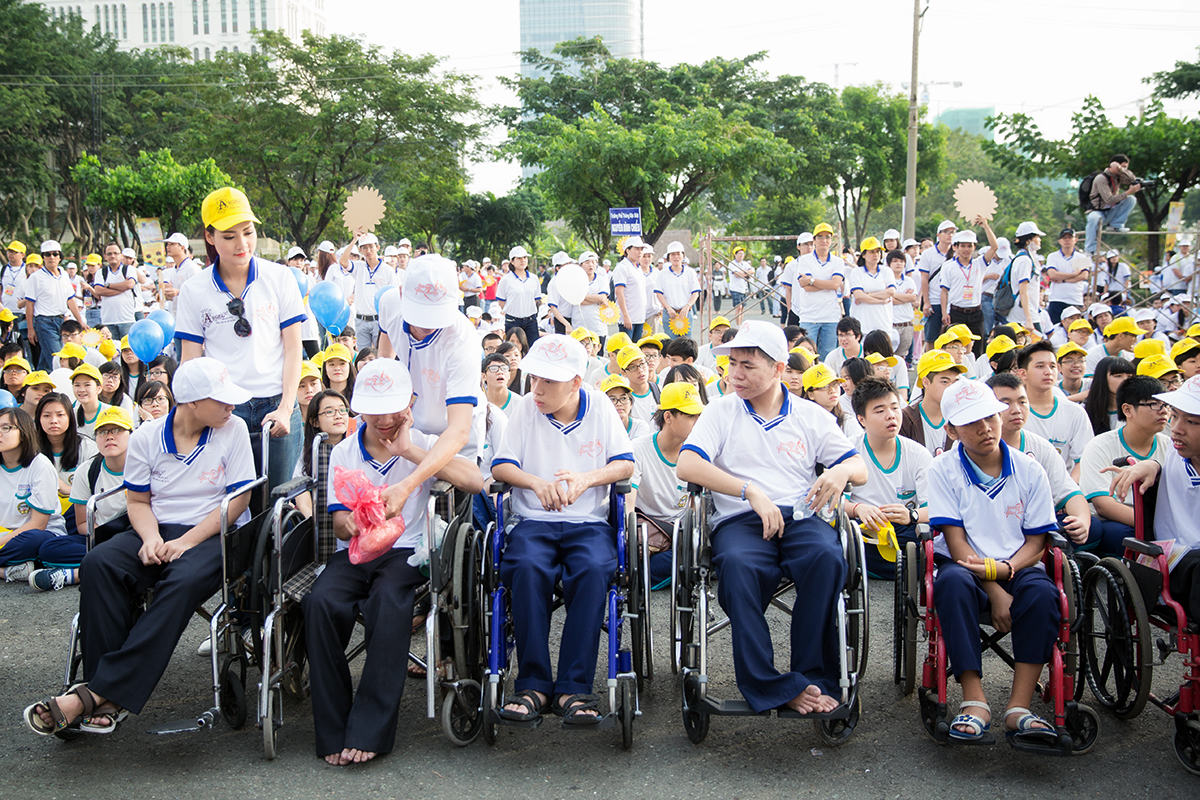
(545, 23)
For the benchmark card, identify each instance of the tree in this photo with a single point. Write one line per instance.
(612, 132)
(300, 125)
(484, 224)
(154, 186)
(1179, 83)
(1158, 146)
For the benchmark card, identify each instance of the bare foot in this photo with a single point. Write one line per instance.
(811, 700)
(352, 756)
(335, 760)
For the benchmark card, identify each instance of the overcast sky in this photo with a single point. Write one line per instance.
(1017, 55)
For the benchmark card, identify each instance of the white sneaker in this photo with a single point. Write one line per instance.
(18, 572)
(205, 648)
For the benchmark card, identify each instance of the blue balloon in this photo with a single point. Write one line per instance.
(146, 339)
(166, 322)
(380, 292)
(301, 280)
(326, 301)
(343, 319)
(6, 399)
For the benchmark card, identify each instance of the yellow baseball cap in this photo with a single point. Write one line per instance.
(1149, 347)
(615, 382)
(1081, 325)
(945, 339)
(581, 333)
(337, 350)
(309, 370)
(1156, 366)
(823, 227)
(628, 355)
(16, 247)
(616, 342)
(722, 362)
(6, 315)
(37, 377)
(719, 321)
(1001, 344)
(225, 208)
(681, 396)
(937, 361)
(89, 371)
(818, 377)
(33, 258)
(1122, 325)
(107, 348)
(1017, 327)
(877, 358)
(1069, 348)
(71, 350)
(319, 359)
(17, 361)
(114, 416)
(125, 343)
(1194, 331)
(662, 337)
(1183, 349)
(650, 341)
(870, 243)
(93, 258)
(964, 334)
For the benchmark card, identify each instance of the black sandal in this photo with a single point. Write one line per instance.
(527, 700)
(571, 710)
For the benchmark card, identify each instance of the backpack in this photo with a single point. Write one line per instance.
(1003, 298)
(1085, 191)
(114, 526)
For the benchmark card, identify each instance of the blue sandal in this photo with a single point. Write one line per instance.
(979, 728)
(1029, 726)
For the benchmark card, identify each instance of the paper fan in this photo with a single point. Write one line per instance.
(680, 326)
(974, 199)
(364, 209)
(608, 314)
(91, 338)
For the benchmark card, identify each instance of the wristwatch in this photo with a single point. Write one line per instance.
(913, 516)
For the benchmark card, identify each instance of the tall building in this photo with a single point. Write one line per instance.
(202, 26)
(545, 23)
(970, 120)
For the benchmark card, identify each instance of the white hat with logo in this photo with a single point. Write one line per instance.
(382, 387)
(206, 378)
(556, 358)
(430, 296)
(970, 401)
(767, 337)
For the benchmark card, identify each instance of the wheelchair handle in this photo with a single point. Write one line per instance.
(624, 486)
(440, 488)
(292, 489)
(90, 516)
(499, 487)
(695, 488)
(1145, 548)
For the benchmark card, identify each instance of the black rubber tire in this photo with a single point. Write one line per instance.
(695, 721)
(625, 712)
(233, 691)
(490, 707)
(1187, 745)
(1084, 738)
(1121, 675)
(462, 714)
(836, 732)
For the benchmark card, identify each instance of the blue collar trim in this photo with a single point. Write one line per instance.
(249, 278)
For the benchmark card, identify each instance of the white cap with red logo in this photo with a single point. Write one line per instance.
(430, 297)
(970, 401)
(382, 387)
(1186, 398)
(556, 358)
(206, 378)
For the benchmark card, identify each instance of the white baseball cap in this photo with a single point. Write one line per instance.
(778, 259)
(518, 252)
(383, 386)
(1186, 398)
(486, 260)
(325, 247)
(1026, 228)
(1113, 254)
(556, 358)
(177, 238)
(634, 241)
(970, 401)
(804, 238)
(1071, 311)
(430, 292)
(559, 258)
(645, 249)
(588, 255)
(965, 236)
(294, 252)
(767, 337)
(206, 378)
(391, 250)
(1003, 248)
(127, 252)
(474, 312)
(1098, 308)
(944, 224)
(1144, 315)
(404, 246)
(907, 243)
(51, 246)
(369, 238)
(167, 260)
(891, 233)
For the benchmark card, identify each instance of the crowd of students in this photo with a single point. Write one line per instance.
(775, 420)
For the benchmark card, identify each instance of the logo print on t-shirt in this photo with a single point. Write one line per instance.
(1014, 510)
(213, 475)
(591, 448)
(432, 292)
(265, 313)
(794, 449)
(379, 383)
(431, 375)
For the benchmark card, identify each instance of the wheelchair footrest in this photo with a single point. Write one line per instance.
(740, 708)
(606, 722)
(1043, 746)
(186, 725)
(986, 741)
(528, 724)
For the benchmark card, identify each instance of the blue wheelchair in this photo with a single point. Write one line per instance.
(626, 603)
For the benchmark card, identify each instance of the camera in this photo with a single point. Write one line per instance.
(1147, 183)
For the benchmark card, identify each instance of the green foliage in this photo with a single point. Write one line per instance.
(485, 225)
(1178, 83)
(155, 185)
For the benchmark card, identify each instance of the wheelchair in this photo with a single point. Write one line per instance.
(627, 603)
(693, 621)
(1076, 725)
(1124, 601)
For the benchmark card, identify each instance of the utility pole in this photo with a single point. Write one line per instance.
(914, 113)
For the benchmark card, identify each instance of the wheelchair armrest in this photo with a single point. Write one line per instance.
(294, 487)
(440, 488)
(695, 488)
(927, 535)
(623, 487)
(1058, 540)
(1145, 548)
(499, 487)
(90, 512)
(229, 498)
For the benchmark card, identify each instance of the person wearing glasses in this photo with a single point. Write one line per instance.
(30, 514)
(327, 414)
(113, 389)
(246, 313)
(161, 369)
(154, 401)
(496, 371)
(49, 296)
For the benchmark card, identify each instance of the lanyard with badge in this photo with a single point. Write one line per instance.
(968, 288)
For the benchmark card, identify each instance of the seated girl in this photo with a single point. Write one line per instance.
(327, 414)
(31, 523)
(60, 441)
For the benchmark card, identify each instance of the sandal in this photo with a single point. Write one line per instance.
(529, 701)
(572, 709)
(112, 718)
(1028, 726)
(33, 717)
(979, 728)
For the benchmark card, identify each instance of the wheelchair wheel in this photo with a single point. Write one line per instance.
(695, 720)
(272, 720)
(858, 600)
(681, 590)
(635, 605)
(626, 712)
(1073, 588)
(907, 617)
(1187, 744)
(294, 677)
(491, 704)
(1115, 637)
(1084, 727)
(836, 732)
(466, 604)
(233, 691)
(462, 714)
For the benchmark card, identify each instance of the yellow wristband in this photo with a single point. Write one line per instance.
(989, 569)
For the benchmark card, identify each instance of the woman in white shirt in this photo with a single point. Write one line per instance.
(31, 519)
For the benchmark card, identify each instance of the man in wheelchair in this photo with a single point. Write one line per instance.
(352, 728)
(178, 469)
(563, 448)
(757, 450)
(993, 508)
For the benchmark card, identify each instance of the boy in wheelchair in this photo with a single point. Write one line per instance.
(351, 727)
(564, 446)
(757, 450)
(994, 510)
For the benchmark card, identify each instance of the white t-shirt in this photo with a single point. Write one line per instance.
(644, 406)
(677, 289)
(9, 284)
(1070, 293)
(740, 283)
(272, 303)
(637, 428)
(819, 306)
(901, 311)
(1116, 278)
(494, 434)
(87, 449)
(963, 285)
(1096, 354)
(351, 453)
(778, 455)
(367, 281)
(1025, 269)
(1062, 486)
(660, 494)
(110, 507)
(519, 295)
(996, 266)
(185, 487)
(996, 517)
(1178, 499)
(904, 481)
(935, 435)
(541, 445)
(29, 489)
(1067, 428)
(49, 293)
(930, 263)
(118, 309)
(1106, 448)
(589, 315)
(630, 276)
(871, 316)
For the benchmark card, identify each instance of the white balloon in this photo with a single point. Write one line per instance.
(572, 283)
(61, 378)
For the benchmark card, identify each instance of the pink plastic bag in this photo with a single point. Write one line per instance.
(376, 534)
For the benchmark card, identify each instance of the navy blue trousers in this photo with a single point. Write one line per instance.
(880, 568)
(750, 569)
(959, 598)
(43, 546)
(1105, 537)
(383, 591)
(536, 553)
